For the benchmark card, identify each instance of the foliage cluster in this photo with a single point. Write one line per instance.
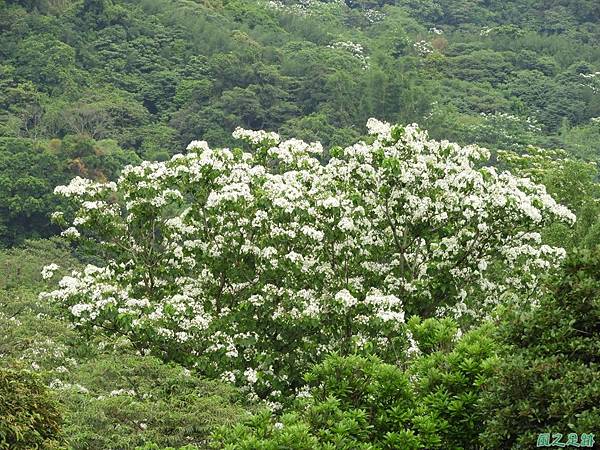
(29, 414)
(496, 387)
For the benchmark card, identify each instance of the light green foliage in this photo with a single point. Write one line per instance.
(363, 403)
(583, 141)
(92, 379)
(30, 333)
(20, 267)
(29, 414)
(123, 401)
(449, 380)
(355, 403)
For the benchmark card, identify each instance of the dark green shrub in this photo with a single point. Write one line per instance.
(363, 403)
(549, 379)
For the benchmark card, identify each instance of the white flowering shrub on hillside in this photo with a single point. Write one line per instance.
(355, 49)
(252, 266)
(306, 8)
(423, 48)
(592, 81)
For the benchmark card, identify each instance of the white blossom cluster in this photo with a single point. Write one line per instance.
(252, 266)
(253, 137)
(374, 16)
(198, 145)
(592, 81)
(357, 50)
(423, 48)
(305, 8)
(58, 384)
(44, 352)
(48, 271)
(83, 186)
(308, 8)
(507, 120)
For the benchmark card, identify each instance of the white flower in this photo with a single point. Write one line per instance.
(80, 221)
(423, 48)
(228, 377)
(346, 224)
(331, 202)
(71, 232)
(458, 334)
(413, 348)
(304, 392)
(255, 137)
(198, 145)
(383, 130)
(346, 298)
(313, 233)
(78, 309)
(80, 186)
(355, 49)
(388, 316)
(48, 271)
(251, 375)
(119, 392)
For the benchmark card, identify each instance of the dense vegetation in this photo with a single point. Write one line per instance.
(92, 85)
(386, 290)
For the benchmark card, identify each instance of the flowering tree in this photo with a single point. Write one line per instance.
(251, 266)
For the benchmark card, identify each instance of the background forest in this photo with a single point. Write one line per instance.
(89, 87)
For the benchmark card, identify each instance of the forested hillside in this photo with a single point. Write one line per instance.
(89, 86)
(347, 278)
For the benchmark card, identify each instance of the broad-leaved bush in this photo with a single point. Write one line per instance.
(357, 402)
